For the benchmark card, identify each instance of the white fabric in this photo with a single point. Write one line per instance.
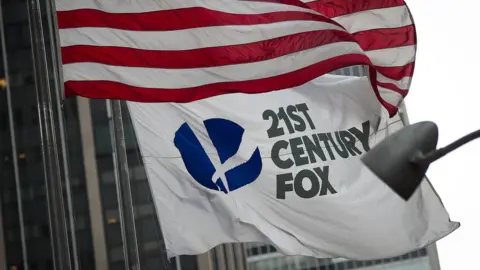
(364, 219)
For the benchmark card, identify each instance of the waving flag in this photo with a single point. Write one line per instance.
(182, 51)
(282, 166)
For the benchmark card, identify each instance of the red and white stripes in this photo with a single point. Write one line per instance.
(385, 31)
(181, 51)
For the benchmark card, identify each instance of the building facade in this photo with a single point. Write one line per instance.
(263, 257)
(28, 70)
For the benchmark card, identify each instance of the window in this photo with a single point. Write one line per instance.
(18, 118)
(116, 254)
(3, 122)
(188, 262)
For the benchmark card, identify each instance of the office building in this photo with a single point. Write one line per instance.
(264, 257)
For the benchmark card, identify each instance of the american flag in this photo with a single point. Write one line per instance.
(186, 50)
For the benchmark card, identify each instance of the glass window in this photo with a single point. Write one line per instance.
(188, 262)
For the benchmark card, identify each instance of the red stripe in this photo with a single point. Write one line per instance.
(335, 8)
(296, 3)
(377, 39)
(393, 87)
(397, 73)
(204, 57)
(178, 19)
(115, 90)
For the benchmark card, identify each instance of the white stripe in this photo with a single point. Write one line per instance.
(244, 152)
(136, 6)
(390, 96)
(187, 39)
(182, 78)
(393, 17)
(403, 84)
(392, 57)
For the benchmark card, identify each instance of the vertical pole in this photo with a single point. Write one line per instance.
(433, 259)
(125, 203)
(230, 256)
(18, 186)
(220, 257)
(432, 252)
(55, 42)
(239, 255)
(59, 91)
(117, 183)
(50, 152)
(162, 248)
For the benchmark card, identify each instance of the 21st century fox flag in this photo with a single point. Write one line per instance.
(242, 137)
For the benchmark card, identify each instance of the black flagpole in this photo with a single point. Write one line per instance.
(125, 202)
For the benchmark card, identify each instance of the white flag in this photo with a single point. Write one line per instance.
(281, 168)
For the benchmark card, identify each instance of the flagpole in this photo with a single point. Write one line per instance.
(125, 203)
(50, 152)
(59, 91)
(16, 174)
(162, 248)
(117, 184)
